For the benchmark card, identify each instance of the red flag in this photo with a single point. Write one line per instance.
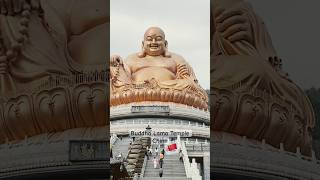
(172, 147)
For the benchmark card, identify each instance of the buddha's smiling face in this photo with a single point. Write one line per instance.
(154, 43)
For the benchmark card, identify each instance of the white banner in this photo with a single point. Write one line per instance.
(159, 133)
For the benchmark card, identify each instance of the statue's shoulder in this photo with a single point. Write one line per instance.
(177, 58)
(132, 58)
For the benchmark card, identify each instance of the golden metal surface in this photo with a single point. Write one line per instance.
(52, 64)
(251, 95)
(154, 74)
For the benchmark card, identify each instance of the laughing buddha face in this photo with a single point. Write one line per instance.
(154, 42)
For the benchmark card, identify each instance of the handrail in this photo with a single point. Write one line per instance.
(191, 168)
(113, 139)
(196, 147)
(143, 166)
(292, 165)
(263, 146)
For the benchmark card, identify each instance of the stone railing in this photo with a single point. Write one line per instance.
(191, 169)
(175, 110)
(157, 120)
(262, 159)
(24, 156)
(143, 166)
(113, 139)
(45, 151)
(197, 147)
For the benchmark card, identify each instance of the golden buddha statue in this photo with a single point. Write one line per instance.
(47, 41)
(252, 96)
(155, 74)
(46, 38)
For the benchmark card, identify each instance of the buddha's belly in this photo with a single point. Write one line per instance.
(159, 73)
(91, 47)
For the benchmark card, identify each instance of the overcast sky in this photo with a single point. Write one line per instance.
(294, 26)
(185, 22)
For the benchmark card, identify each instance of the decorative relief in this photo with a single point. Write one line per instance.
(251, 116)
(90, 104)
(279, 120)
(53, 110)
(224, 106)
(257, 116)
(3, 134)
(19, 111)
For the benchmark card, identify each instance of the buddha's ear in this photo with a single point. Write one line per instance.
(142, 53)
(166, 52)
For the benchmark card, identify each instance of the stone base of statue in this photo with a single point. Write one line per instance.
(161, 117)
(237, 157)
(57, 105)
(59, 128)
(53, 154)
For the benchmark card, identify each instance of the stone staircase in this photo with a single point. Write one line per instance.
(164, 178)
(173, 169)
(121, 146)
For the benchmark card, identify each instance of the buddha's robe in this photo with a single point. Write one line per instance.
(243, 66)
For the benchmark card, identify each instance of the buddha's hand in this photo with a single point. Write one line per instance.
(183, 71)
(13, 7)
(3, 65)
(232, 24)
(115, 61)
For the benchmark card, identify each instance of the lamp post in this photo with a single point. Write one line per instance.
(148, 128)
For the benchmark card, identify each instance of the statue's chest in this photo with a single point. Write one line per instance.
(163, 63)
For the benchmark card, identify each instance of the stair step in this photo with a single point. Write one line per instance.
(164, 178)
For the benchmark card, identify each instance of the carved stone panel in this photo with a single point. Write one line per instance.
(278, 124)
(224, 108)
(3, 134)
(251, 116)
(52, 110)
(19, 117)
(90, 102)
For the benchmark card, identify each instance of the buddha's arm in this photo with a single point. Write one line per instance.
(119, 72)
(232, 24)
(63, 9)
(85, 27)
(185, 73)
(184, 70)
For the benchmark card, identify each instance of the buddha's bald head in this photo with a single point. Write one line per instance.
(154, 42)
(154, 31)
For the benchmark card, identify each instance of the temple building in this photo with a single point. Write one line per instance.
(156, 101)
